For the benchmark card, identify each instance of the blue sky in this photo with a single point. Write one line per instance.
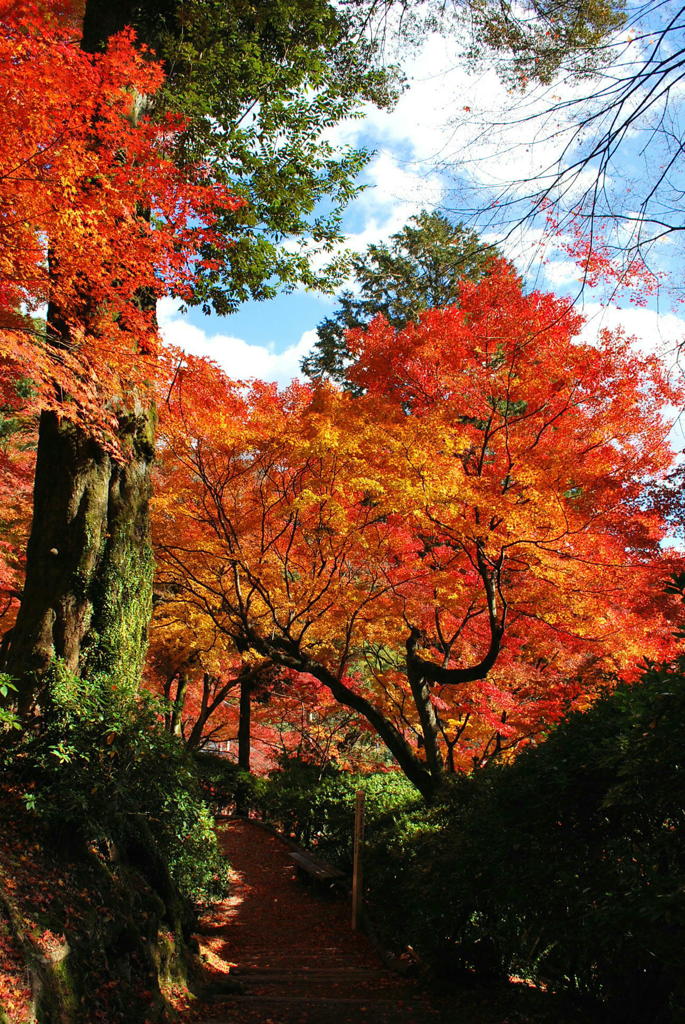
(418, 162)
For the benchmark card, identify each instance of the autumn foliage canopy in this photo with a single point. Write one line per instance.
(460, 554)
(99, 219)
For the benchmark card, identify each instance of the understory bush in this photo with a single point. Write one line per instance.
(101, 771)
(315, 805)
(566, 867)
(225, 785)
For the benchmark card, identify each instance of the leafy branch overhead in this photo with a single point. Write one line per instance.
(190, 171)
(527, 41)
(261, 85)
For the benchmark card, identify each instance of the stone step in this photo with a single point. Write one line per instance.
(357, 1002)
(334, 1013)
(295, 960)
(325, 986)
(288, 954)
(291, 968)
(291, 947)
(293, 954)
(314, 973)
(282, 949)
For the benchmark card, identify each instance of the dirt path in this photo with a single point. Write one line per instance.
(293, 950)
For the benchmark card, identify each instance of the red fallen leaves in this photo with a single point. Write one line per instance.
(15, 994)
(56, 898)
(27, 882)
(273, 922)
(17, 453)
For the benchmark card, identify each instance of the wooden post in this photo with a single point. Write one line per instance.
(357, 884)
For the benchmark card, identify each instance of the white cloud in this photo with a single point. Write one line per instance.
(418, 118)
(238, 358)
(561, 273)
(441, 130)
(459, 118)
(458, 138)
(397, 183)
(662, 333)
(395, 194)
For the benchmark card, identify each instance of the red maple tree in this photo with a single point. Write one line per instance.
(98, 213)
(100, 219)
(459, 555)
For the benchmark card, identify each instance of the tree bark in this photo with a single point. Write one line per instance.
(87, 598)
(245, 724)
(103, 18)
(282, 651)
(430, 726)
(176, 717)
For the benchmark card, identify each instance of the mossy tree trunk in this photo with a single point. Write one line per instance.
(88, 594)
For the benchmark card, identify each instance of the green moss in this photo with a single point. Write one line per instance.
(116, 644)
(60, 998)
(120, 590)
(169, 959)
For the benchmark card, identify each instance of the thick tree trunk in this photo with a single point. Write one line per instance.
(88, 593)
(103, 18)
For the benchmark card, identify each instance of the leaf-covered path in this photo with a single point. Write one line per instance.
(293, 950)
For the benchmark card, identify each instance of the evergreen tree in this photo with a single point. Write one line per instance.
(418, 269)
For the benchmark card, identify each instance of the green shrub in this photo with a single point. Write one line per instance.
(567, 867)
(316, 805)
(101, 770)
(8, 717)
(225, 785)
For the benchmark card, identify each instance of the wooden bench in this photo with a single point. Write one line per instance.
(318, 870)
